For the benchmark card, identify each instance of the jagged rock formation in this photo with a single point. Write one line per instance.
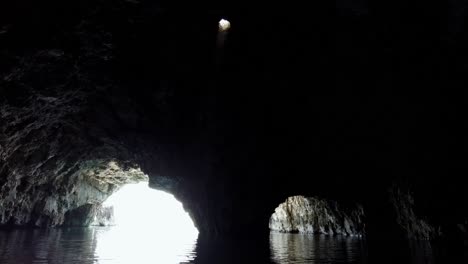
(90, 214)
(104, 216)
(70, 199)
(414, 227)
(318, 216)
(53, 159)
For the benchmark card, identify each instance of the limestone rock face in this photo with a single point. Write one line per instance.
(72, 198)
(54, 162)
(104, 216)
(319, 216)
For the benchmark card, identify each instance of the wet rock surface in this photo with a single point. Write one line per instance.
(317, 216)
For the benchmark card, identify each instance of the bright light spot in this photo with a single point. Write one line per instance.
(151, 227)
(224, 25)
(138, 206)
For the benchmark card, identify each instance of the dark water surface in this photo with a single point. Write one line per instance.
(302, 248)
(111, 245)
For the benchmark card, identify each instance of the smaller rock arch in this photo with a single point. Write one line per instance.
(299, 214)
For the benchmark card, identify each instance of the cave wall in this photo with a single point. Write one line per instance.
(321, 104)
(317, 216)
(104, 216)
(52, 163)
(53, 160)
(414, 227)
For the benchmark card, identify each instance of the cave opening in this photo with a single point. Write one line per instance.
(224, 25)
(145, 223)
(137, 205)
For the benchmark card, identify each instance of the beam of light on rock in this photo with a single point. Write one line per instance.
(151, 227)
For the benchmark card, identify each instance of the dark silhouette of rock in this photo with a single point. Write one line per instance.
(414, 227)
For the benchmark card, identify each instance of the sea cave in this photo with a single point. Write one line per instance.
(323, 133)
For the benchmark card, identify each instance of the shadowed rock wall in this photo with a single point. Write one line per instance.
(312, 215)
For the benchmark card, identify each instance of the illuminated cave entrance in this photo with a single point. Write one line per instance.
(147, 225)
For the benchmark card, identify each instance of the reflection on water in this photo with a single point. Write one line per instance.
(123, 245)
(421, 253)
(316, 249)
(94, 245)
(140, 246)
